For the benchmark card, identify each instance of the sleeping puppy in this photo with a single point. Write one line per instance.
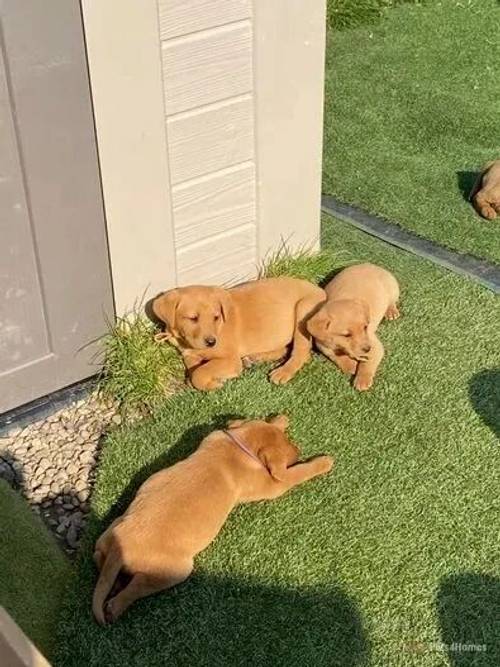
(345, 325)
(485, 194)
(179, 511)
(218, 330)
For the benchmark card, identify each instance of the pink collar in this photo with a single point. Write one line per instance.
(239, 443)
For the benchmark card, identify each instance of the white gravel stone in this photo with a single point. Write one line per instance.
(43, 465)
(52, 461)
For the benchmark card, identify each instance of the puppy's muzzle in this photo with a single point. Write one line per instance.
(210, 341)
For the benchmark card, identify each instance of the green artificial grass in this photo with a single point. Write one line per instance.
(33, 571)
(303, 263)
(137, 371)
(349, 13)
(395, 550)
(411, 114)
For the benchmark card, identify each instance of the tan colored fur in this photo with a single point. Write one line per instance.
(218, 331)
(485, 194)
(345, 326)
(179, 511)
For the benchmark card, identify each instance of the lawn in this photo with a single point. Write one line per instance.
(343, 14)
(34, 572)
(397, 549)
(411, 113)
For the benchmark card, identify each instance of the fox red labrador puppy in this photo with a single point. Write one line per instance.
(218, 330)
(344, 328)
(179, 511)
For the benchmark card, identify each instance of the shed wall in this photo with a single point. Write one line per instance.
(209, 123)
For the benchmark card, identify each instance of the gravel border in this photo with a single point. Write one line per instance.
(52, 462)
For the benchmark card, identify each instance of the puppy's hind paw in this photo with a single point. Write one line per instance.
(109, 615)
(392, 313)
(248, 362)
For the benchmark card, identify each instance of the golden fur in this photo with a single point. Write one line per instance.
(219, 330)
(179, 511)
(358, 298)
(485, 194)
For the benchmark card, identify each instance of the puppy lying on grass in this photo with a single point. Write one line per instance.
(485, 194)
(179, 511)
(218, 329)
(345, 325)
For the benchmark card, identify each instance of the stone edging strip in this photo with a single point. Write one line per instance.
(482, 271)
(41, 408)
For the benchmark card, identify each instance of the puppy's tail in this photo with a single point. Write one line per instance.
(109, 571)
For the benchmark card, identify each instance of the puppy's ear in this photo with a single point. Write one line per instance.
(164, 307)
(273, 457)
(366, 311)
(281, 421)
(323, 319)
(226, 303)
(236, 423)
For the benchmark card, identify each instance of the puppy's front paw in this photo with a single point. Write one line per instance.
(346, 364)
(363, 382)
(205, 384)
(281, 375)
(324, 463)
(210, 385)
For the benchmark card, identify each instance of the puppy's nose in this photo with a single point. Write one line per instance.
(367, 348)
(210, 341)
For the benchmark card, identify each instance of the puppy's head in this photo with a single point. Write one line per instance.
(194, 315)
(343, 326)
(269, 442)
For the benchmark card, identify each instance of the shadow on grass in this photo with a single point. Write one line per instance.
(468, 606)
(466, 181)
(218, 621)
(484, 393)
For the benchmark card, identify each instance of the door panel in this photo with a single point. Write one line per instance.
(55, 287)
(24, 337)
